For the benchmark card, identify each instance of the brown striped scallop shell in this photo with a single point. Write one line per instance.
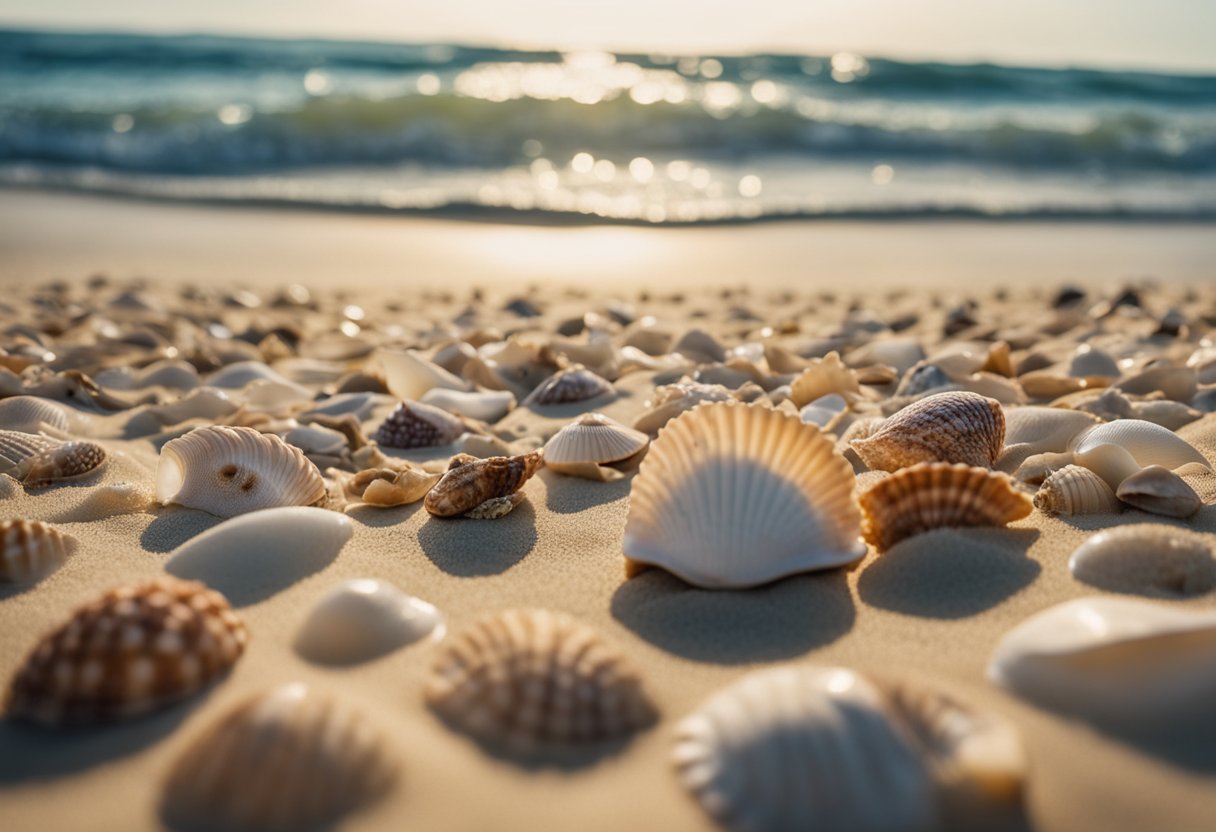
(418, 425)
(1076, 490)
(470, 481)
(934, 495)
(573, 384)
(947, 427)
(31, 551)
(133, 650)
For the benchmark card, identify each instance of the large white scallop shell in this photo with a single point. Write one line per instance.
(733, 495)
(30, 550)
(228, 471)
(1146, 558)
(362, 619)
(1112, 658)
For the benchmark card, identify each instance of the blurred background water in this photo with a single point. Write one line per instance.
(596, 135)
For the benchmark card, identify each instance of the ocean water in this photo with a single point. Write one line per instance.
(598, 136)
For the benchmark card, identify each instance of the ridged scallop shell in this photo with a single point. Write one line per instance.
(469, 481)
(592, 440)
(133, 650)
(30, 414)
(31, 551)
(534, 680)
(733, 495)
(934, 495)
(1160, 491)
(946, 427)
(483, 405)
(1075, 490)
(824, 748)
(825, 376)
(286, 759)
(408, 375)
(1146, 558)
(38, 460)
(388, 487)
(228, 471)
(417, 425)
(573, 384)
(362, 619)
(1113, 658)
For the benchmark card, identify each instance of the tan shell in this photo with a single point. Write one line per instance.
(31, 551)
(1076, 490)
(417, 425)
(133, 650)
(573, 384)
(282, 760)
(935, 495)
(593, 440)
(469, 481)
(1159, 490)
(31, 414)
(228, 471)
(38, 460)
(532, 680)
(824, 377)
(946, 427)
(388, 487)
(1148, 559)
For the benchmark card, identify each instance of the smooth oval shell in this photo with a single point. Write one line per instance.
(947, 427)
(824, 377)
(1045, 429)
(935, 495)
(228, 471)
(469, 482)
(531, 680)
(573, 384)
(1147, 443)
(483, 405)
(286, 759)
(362, 619)
(592, 439)
(408, 375)
(1075, 490)
(417, 425)
(1113, 658)
(31, 551)
(733, 495)
(1091, 362)
(133, 650)
(1160, 491)
(1146, 558)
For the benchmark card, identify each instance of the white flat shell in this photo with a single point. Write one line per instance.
(364, 618)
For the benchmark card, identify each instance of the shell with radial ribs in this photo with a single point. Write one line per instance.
(1146, 559)
(31, 551)
(573, 384)
(946, 427)
(1075, 490)
(594, 439)
(469, 481)
(133, 650)
(733, 495)
(231, 470)
(38, 460)
(417, 425)
(934, 495)
(31, 414)
(534, 680)
(284, 759)
(824, 748)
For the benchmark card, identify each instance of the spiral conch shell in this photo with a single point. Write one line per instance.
(935, 495)
(31, 550)
(470, 482)
(946, 427)
(824, 748)
(733, 495)
(534, 680)
(228, 471)
(1147, 559)
(585, 447)
(282, 760)
(133, 650)
(1076, 490)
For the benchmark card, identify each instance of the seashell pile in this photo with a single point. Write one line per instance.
(31, 551)
(947, 427)
(588, 447)
(470, 482)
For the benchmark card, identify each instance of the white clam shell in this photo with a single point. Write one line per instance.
(1112, 659)
(1160, 491)
(1045, 428)
(593, 438)
(31, 414)
(900, 353)
(483, 405)
(316, 439)
(1177, 383)
(1144, 442)
(228, 471)
(201, 403)
(1146, 559)
(409, 375)
(733, 495)
(362, 619)
(1092, 362)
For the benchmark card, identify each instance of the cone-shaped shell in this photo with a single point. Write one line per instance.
(133, 650)
(417, 425)
(534, 680)
(31, 550)
(1146, 559)
(283, 760)
(593, 439)
(573, 384)
(362, 619)
(469, 482)
(228, 471)
(946, 427)
(733, 495)
(1076, 490)
(934, 495)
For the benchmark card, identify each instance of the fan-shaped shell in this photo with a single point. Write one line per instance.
(946, 427)
(417, 425)
(283, 760)
(1112, 658)
(1160, 491)
(364, 618)
(133, 650)
(534, 680)
(228, 471)
(469, 482)
(483, 405)
(733, 495)
(573, 384)
(31, 550)
(593, 439)
(1146, 558)
(1076, 490)
(934, 495)
(31, 414)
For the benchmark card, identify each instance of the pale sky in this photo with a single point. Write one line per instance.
(1166, 34)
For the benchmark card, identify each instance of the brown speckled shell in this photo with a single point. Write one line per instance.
(1076, 490)
(133, 650)
(531, 680)
(65, 462)
(417, 425)
(573, 384)
(31, 550)
(934, 495)
(469, 482)
(947, 427)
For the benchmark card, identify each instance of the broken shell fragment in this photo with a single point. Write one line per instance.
(1146, 559)
(387, 487)
(469, 482)
(947, 427)
(31, 551)
(496, 507)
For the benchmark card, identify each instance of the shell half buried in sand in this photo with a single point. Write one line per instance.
(1116, 450)
(1075, 490)
(417, 425)
(824, 748)
(37, 460)
(733, 495)
(935, 495)
(1146, 559)
(586, 447)
(946, 427)
(1114, 659)
(31, 414)
(31, 551)
(469, 482)
(131, 651)
(362, 619)
(573, 384)
(283, 760)
(531, 681)
(228, 471)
